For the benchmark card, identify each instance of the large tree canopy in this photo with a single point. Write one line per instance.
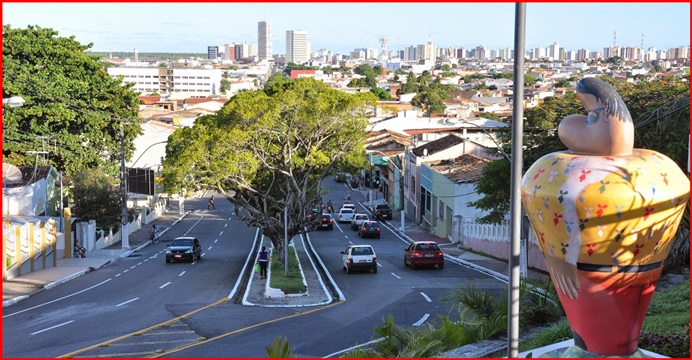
(73, 109)
(269, 150)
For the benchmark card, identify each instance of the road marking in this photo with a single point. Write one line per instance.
(396, 276)
(421, 321)
(164, 285)
(426, 297)
(126, 270)
(64, 297)
(133, 266)
(182, 273)
(52, 327)
(127, 302)
(221, 233)
(225, 225)
(216, 241)
(209, 248)
(140, 263)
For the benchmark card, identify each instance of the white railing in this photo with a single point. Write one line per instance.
(492, 232)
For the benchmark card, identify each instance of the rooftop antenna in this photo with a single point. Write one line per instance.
(383, 42)
(641, 52)
(615, 39)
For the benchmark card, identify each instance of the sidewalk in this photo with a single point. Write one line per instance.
(21, 287)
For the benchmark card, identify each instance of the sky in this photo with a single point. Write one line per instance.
(342, 27)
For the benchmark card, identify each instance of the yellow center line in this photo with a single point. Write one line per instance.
(140, 332)
(183, 347)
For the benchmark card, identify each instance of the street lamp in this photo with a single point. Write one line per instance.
(401, 187)
(14, 101)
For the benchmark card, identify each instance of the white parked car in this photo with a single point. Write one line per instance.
(357, 257)
(349, 206)
(345, 215)
(358, 220)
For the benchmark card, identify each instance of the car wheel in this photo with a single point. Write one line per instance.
(441, 266)
(348, 269)
(405, 263)
(374, 269)
(168, 261)
(378, 236)
(413, 266)
(360, 234)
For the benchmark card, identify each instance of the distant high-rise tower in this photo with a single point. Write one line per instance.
(212, 52)
(297, 47)
(264, 40)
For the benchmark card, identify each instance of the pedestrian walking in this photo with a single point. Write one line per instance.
(263, 260)
(211, 203)
(155, 233)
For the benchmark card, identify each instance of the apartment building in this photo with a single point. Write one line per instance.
(166, 81)
(264, 41)
(297, 47)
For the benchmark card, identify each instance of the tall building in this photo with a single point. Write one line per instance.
(264, 40)
(212, 52)
(297, 47)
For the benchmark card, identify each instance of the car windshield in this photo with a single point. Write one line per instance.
(362, 251)
(347, 211)
(361, 217)
(182, 242)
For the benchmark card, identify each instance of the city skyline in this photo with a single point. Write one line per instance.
(343, 27)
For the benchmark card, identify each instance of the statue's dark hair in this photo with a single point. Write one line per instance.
(606, 94)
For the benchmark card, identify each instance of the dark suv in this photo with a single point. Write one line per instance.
(382, 212)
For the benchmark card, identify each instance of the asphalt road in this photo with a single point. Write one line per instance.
(142, 307)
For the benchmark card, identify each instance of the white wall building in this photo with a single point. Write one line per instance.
(264, 40)
(297, 46)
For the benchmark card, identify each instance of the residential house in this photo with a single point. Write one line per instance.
(36, 193)
(451, 185)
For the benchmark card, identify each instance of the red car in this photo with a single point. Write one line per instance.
(424, 253)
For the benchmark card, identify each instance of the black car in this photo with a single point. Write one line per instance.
(327, 222)
(184, 248)
(382, 212)
(369, 228)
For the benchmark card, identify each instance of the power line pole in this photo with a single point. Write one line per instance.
(123, 189)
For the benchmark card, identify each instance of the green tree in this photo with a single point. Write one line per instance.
(71, 103)
(95, 196)
(429, 101)
(563, 83)
(381, 94)
(268, 151)
(410, 86)
(530, 79)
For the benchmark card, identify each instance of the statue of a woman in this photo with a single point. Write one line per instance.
(613, 211)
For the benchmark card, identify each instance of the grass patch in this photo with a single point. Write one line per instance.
(291, 284)
(555, 333)
(669, 310)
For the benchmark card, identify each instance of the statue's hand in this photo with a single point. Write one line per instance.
(564, 276)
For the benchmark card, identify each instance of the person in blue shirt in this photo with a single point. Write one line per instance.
(263, 260)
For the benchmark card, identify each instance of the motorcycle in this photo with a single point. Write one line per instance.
(330, 209)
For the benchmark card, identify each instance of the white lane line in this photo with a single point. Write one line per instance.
(224, 225)
(126, 270)
(216, 241)
(396, 276)
(118, 274)
(182, 273)
(127, 302)
(164, 285)
(133, 266)
(140, 263)
(221, 233)
(426, 297)
(209, 248)
(64, 297)
(52, 327)
(421, 321)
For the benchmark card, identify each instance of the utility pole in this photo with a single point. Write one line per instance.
(123, 190)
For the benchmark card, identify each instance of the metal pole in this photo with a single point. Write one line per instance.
(286, 240)
(62, 204)
(123, 189)
(371, 182)
(515, 188)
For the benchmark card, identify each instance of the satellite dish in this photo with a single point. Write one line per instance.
(10, 174)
